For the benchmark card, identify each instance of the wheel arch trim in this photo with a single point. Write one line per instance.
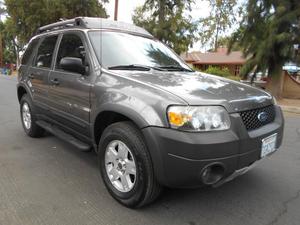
(27, 90)
(127, 112)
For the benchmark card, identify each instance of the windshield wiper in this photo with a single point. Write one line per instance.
(133, 67)
(147, 68)
(175, 68)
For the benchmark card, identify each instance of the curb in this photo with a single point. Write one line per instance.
(290, 109)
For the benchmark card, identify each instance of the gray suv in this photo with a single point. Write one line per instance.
(153, 121)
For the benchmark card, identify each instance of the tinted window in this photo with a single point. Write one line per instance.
(113, 49)
(29, 50)
(71, 46)
(45, 52)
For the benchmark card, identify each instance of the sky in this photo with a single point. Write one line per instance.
(126, 9)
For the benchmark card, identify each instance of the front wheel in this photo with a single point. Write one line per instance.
(126, 166)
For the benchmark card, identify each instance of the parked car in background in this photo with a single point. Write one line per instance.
(260, 80)
(153, 121)
(291, 68)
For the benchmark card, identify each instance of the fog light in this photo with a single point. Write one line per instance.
(212, 173)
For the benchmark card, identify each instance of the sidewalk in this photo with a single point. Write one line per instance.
(290, 105)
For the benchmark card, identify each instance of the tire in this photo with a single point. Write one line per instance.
(142, 188)
(30, 126)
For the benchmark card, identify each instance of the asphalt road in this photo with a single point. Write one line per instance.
(46, 181)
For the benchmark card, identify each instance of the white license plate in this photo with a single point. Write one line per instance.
(268, 145)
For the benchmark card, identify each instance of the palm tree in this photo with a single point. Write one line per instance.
(267, 34)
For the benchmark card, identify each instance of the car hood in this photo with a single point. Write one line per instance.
(203, 89)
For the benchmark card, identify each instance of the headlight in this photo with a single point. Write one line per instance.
(198, 118)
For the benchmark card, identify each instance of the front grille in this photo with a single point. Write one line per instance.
(251, 118)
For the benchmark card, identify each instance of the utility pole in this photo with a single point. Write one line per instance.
(116, 9)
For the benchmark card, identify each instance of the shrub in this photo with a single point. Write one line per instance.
(236, 78)
(219, 72)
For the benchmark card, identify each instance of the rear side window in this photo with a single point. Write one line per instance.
(28, 52)
(71, 46)
(45, 52)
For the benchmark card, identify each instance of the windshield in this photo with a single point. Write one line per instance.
(116, 50)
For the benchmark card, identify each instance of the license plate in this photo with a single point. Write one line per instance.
(268, 145)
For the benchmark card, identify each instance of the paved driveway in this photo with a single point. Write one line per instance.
(46, 181)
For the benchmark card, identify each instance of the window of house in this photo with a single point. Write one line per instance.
(237, 70)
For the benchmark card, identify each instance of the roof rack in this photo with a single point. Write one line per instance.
(93, 23)
(76, 22)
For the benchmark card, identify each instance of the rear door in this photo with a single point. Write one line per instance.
(69, 92)
(39, 71)
(26, 61)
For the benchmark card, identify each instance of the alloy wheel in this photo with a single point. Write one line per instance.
(120, 166)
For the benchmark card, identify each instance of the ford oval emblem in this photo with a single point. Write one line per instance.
(262, 117)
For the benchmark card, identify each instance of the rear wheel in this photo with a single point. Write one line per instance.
(126, 166)
(28, 118)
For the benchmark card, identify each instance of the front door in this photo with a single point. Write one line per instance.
(69, 92)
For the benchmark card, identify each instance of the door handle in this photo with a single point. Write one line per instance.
(31, 76)
(55, 81)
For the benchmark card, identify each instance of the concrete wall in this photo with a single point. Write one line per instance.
(291, 87)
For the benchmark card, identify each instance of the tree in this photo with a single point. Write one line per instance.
(223, 15)
(224, 42)
(297, 54)
(166, 20)
(2, 12)
(2, 9)
(26, 16)
(29, 15)
(268, 33)
(11, 47)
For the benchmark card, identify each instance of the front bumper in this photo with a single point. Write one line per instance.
(179, 157)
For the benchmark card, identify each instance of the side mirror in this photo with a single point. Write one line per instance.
(72, 64)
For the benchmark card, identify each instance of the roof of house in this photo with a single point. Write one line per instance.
(218, 57)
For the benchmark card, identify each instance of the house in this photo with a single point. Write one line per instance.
(220, 58)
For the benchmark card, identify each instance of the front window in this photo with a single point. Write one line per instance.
(117, 49)
(71, 46)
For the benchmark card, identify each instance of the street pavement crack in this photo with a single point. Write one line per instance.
(285, 208)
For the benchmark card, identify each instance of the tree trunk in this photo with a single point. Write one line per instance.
(216, 40)
(218, 29)
(17, 52)
(18, 63)
(275, 83)
(161, 15)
